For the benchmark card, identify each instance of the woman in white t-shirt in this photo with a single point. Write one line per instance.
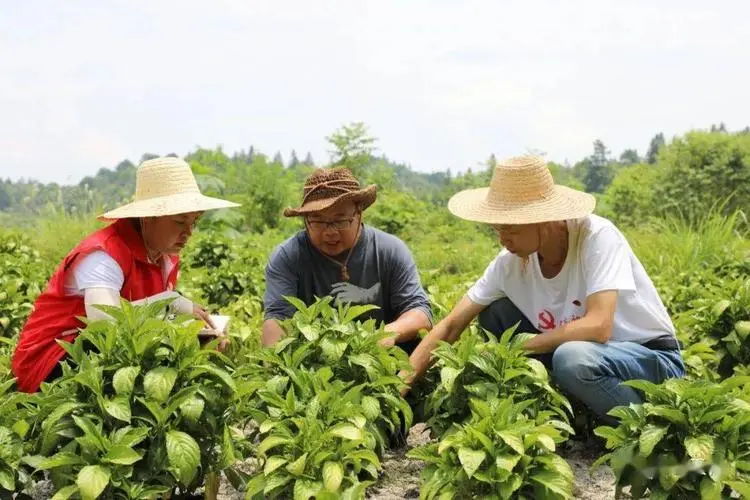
(569, 276)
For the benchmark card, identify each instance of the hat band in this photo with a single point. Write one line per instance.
(342, 186)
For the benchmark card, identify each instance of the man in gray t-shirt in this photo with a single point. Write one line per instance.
(337, 255)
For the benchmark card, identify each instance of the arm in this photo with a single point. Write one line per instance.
(109, 297)
(407, 297)
(594, 326)
(448, 330)
(281, 281)
(407, 326)
(607, 272)
(271, 332)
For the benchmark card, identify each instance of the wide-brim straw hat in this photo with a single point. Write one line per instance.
(165, 186)
(522, 191)
(326, 187)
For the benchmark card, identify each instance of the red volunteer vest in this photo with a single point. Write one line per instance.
(55, 315)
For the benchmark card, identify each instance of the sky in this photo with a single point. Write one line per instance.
(441, 83)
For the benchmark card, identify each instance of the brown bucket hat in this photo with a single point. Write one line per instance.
(327, 186)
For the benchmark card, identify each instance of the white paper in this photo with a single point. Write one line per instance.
(221, 323)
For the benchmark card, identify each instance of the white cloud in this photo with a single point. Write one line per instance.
(442, 83)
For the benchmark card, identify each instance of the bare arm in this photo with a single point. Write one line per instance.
(448, 330)
(272, 332)
(106, 296)
(594, 326)
(407, 326)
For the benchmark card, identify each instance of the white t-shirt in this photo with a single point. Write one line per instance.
(99, 270)
(599, 258)
(99, 278)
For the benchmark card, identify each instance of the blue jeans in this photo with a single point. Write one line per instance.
(589, 371)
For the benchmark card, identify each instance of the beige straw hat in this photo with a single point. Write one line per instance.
(165, 186)
(328, 186)
(521, 191)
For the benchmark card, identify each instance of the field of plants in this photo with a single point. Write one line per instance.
(150, 412)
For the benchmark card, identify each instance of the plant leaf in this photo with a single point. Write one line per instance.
(122, 455)
(65, 493)
(347, 431)
(649, 438)
(60, 459)
(7, 478)
(184, 455)
(193, 408)
(700, 447)
(740, 487)
(556, 482)
(471, 459)
(92, 480)
(305, 489)
(370, 407)
(297, 467)
(119, 408)
(272, 464)
(124, 379)
(333, 474)
(158, 383)
(513, 441)
(507, 462)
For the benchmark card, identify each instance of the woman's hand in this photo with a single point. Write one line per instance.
(200, 313)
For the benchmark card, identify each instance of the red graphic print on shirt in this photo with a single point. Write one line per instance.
(546, 320)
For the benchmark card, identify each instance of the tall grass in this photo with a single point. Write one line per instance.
(683, 245)
(56, 235)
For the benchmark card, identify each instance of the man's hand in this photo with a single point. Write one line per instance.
(389, 341)
(200, 313)
(406, 377)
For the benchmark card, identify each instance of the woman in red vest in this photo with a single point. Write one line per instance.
(135, 258)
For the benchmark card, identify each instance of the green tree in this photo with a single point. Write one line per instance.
(657, 142)
(703, 169)
(630, 157)
(353, 147)
(278, 159)
(598, 175)
(293, 161)
(308, 159)
(630, 198)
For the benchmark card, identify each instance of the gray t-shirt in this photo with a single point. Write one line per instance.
(381, 269)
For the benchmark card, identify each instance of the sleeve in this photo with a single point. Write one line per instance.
(94, 296)
(281, 281)
(606, 262)
(98, 270)
(490, 287)
(406, 291)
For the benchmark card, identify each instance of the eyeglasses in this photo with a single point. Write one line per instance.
(338, 225)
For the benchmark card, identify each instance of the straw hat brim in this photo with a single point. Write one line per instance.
(564, 203)
(364, 197)
(167, 205)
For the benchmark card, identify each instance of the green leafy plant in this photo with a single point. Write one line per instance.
(321, 445)
(321, 335)
(479, 365)
(14, 411)
(22, 278)
(498, 453)
(688, 439)
(140, 410)
(720, 320)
